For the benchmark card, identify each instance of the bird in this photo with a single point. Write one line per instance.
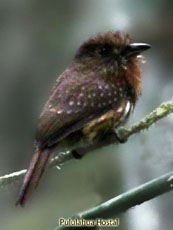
(95, 94)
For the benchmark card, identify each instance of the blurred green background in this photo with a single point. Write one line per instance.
(38, 39)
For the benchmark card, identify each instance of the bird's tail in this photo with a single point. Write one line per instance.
(33, 174)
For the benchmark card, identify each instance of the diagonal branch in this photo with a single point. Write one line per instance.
(123, 134)
(160, 112)
(127, 200)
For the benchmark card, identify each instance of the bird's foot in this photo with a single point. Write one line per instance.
(119, 139)
(76, 154)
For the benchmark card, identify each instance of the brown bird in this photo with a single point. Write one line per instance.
(94, 95)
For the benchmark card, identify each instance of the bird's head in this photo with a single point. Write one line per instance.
(113, 53)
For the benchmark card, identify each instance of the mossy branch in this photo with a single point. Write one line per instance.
(123, 202)
(160, 112)
(123, 134)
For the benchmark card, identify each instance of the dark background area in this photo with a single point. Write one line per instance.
(38, 39)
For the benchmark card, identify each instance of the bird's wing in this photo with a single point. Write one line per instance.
(74, 101)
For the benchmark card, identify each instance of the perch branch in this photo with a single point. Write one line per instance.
(123, 133)
(127, 200)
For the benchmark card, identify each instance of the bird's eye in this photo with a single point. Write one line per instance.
(105, 50)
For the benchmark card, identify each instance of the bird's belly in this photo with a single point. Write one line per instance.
(108, 121)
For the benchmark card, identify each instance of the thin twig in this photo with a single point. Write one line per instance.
(160, 112)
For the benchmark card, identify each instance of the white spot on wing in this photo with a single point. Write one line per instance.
(59, 112)
(119, 110)
(81, 95)
(106, 87)
(71, 103)
(52, 110)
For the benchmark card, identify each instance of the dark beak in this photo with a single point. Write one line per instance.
(134, 49)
